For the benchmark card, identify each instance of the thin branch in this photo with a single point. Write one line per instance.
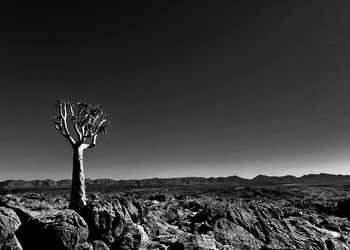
(62, 124)
(75, 122)
(93, 141)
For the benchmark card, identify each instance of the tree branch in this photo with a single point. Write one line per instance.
(88, 122)
(75, 122)
(93, 141)
(91, 144)
(63, 128)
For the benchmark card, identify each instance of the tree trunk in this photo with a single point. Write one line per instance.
(78, 197)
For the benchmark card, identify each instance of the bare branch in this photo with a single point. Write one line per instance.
(74, 121)
(93, 142)
(60, 121)
(71, 108)
(62, 109)
(88, 122)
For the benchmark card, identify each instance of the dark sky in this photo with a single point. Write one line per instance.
(193, 88)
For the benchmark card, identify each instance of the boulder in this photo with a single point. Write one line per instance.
(343, 208)
(170, 215)
(157, 227)
(99, 245)
(133, 237)
(134, 208)
(106, 220)
(11, 243)
(9, 223)
(57, 230)
(194, 242)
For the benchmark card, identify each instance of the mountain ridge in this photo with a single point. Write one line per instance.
(234, 180)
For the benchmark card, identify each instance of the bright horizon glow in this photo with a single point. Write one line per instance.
(287, 168)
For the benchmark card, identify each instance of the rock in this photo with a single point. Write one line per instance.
(57, 230)
(84, 246)
(334, 245)
(192, 205)
(9, 223)
(134, 237)
(134, 209)
(156, 226)
(99, 245)
(194, 222)
(160, 197)
(336, 224)
(343, 208)
(194, 242)
(23, 213)
(211, 213)
(156, 246)
(94, 196)
(11, 243)
(106, 220)
(232, 234)
(170, 215)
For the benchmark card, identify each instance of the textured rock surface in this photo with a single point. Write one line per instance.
(193, 242)
(99, 245)
(229, 233)
(133, 237)
(9, 223)
(106, 220)
(55, 230)
(163, 222)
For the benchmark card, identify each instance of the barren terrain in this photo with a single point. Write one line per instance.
(187, 213)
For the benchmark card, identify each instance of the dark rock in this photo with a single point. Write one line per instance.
(204, 228)
(343, 208)
(193, 205)
(133, 237)
(9, 223)
(211, 213)
(94, 197)
(57, 230)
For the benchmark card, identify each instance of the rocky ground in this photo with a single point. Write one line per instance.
(307, 218)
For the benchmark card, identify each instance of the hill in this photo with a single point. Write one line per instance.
(233, 181)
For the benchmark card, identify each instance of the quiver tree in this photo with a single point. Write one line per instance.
(88, 122)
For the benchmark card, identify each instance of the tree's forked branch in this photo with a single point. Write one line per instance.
(92, 143)
(88, 122)
(75, 122)
(60, 121)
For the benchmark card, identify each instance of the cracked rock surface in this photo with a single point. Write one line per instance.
(111, 221)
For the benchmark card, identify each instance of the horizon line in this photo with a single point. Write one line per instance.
(296, 176)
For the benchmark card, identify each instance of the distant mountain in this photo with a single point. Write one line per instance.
(234, 181)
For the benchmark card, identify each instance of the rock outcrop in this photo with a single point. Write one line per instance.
(9, 223)
(57, 230)
(106, 220)
(163, 222)
(133, 237)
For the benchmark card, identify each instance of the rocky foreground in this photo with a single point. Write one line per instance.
(42, 221)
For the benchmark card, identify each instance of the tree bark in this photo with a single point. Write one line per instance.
(78, 196)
